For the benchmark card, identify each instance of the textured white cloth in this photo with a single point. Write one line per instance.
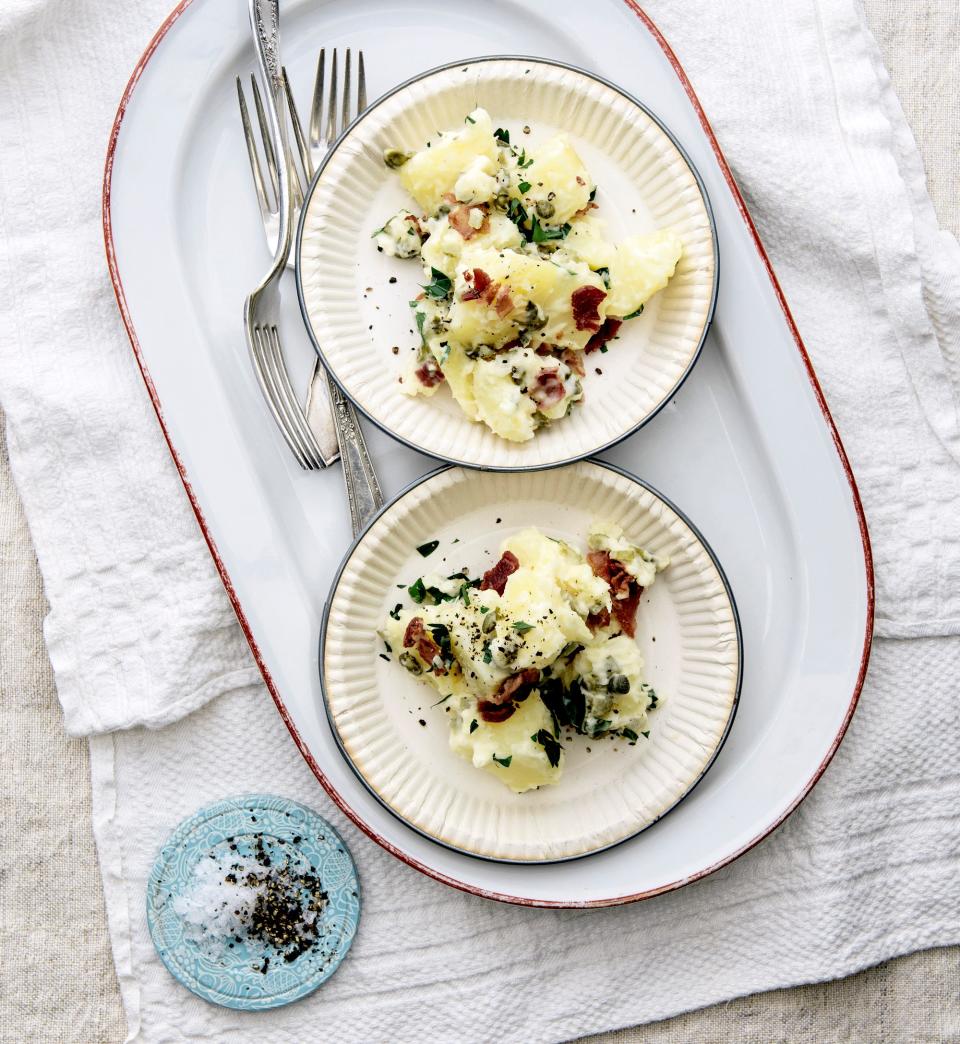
(868, 867)
(141, 633)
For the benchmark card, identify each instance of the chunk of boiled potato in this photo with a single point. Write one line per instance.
(585, 242)
(434, 171)
(527, 765)
(549, 284)
(585, 592)
(557, 169)
(602, 669)
(445, 245)
(500, 404)
(640, 267)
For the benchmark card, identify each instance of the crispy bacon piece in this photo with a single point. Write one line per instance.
(417, 635)
(597, 620)
(586, 210)
(544, 349)
(429, 373)
(480, 281)
(548, 389)
(503, 302)
(574, 360)
(460, 220)
(511, 691)
(416, 224)
(585, 301)
(496, 577)
(624, 590)
(606, 333)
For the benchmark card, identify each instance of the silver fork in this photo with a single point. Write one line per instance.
(363, 490)
(261, 310)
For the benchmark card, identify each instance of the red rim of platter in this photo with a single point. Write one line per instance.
(238, 608)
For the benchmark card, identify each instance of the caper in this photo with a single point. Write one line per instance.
(395, 158)
(619, 684)
(536, 318)
(545, 209)
(412, 664)
(502, 200)
(489, 623)
(444, 208)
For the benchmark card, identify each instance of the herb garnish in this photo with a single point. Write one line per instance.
(646, 735)
(593, 193)
(487, 654)
(502, 135)
(469, 119)
(543, 235)
(395, 611)
(474, 725)
(417, 591)
(443, 699)
(521, 626)
(523, 162)
(429, 547)
(421, 318)
(503, 761)
(630, 735)
(524, 186)
(550, 746)
(440, 287)
(633, 315)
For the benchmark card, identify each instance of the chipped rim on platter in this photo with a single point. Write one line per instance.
(459, 422)
(511, 898)
(729, 700)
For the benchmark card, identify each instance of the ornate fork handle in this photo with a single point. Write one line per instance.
(363, 489)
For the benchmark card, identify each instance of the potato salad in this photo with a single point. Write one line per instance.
(519, 281)
(536, 651)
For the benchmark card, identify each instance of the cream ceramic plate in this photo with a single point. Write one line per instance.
(687, 629)
(357, 318)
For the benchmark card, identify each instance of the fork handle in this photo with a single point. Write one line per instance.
(363, 490)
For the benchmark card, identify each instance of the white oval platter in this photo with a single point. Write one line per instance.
(645, 183)
(746, 446)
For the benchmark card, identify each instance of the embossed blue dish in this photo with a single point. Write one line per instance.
(233, 978)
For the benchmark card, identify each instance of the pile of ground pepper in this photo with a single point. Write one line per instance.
(256, 898)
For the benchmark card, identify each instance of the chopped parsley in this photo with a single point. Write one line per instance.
(395, 611)
(440, 287)
(487, 654)
(630, 735)
(383, 656)
(544, 235)
(474, 725)
(521, 626)
(387, 645)
(417, 591)
(604, 274)
(503, 136)
(646, 735)
(550, 746)
(465, 593)
(421, 319)
(469, 119)
(633, 315)
(593, 193)
(522, 161)
(524, 186)
(429, 547)
(443, 699)
(517, 214)
(503, 761)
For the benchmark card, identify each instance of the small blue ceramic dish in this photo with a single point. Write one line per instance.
(236, 976)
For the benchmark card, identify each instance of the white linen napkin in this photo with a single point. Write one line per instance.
(141, 634)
